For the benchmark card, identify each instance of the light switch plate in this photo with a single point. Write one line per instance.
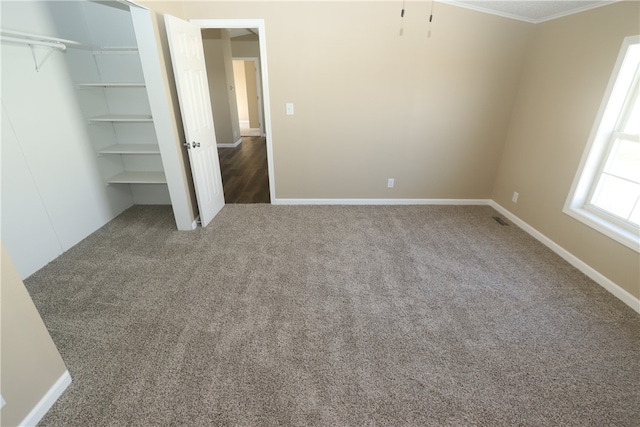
(289, 108)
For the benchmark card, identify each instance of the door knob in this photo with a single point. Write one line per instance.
(186, 144)
(195, 144)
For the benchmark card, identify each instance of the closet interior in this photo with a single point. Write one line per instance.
(113, 97)
(88, 128)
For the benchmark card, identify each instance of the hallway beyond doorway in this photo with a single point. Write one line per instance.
(245, 175)
(246, 130)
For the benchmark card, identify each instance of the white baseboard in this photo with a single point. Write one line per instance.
(47, 400)
(229, 145)
(594, 275)
(380, 201)
(244, 123)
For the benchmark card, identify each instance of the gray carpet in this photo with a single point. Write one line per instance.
(334, 316)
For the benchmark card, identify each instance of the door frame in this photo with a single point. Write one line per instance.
(260, 26)
(256, 63)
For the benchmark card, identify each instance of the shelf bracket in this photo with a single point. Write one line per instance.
(35, 60)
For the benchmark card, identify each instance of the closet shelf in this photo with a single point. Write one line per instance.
(121, 118)
(138, 178)
(106, 50)
(131, 149)
(110, 84)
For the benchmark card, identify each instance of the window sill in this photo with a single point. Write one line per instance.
(612, 230)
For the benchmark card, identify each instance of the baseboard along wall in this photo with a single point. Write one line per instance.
(229, 144)
(380, 201)
(47, 400)
(64, 381)
(593, 274)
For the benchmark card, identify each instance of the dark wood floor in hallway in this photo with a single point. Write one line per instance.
(245, 174)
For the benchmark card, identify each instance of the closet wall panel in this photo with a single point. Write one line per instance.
(24, 216)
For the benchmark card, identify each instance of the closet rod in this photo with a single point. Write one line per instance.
(35, 38)
(32, 42)
(57, 43)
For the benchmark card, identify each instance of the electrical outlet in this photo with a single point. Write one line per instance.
(390, 183)
(514, 199)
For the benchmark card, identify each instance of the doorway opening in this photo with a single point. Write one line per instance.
(235, 58)
(246, 76)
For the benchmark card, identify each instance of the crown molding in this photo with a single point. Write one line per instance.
(479, 8)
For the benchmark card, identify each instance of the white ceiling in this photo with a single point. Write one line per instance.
(529, 11)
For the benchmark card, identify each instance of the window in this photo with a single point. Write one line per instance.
(606, 191)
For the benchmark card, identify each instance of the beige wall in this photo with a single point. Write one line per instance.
(244, 75)
(30, 362)
(371, 104)
(567, 68)
(233, 103)
(246, 46)
(431, 106)
(217, 52)
(252, 93)
(241, 90)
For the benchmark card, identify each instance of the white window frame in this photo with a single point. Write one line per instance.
(596, 154)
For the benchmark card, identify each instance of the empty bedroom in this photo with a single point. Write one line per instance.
(447, 233)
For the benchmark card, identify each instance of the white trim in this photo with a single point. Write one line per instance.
(478, 8)
(608, 228)
(594, 275)
(132, 4)
(47, 401)
(227, 23)
(229, 144)
(381, 201)
(243, 122)
(262, 39)
(163, 121)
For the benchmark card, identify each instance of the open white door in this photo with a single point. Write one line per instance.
(187, 56)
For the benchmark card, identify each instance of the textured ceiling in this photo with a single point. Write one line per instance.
(530, 11)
